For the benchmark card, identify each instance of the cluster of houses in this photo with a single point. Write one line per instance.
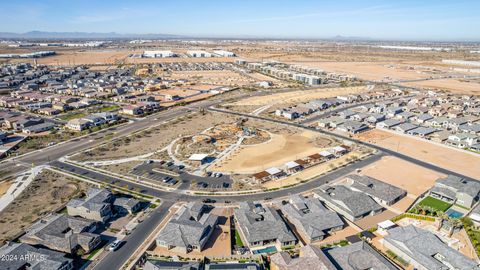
(18, 122)
(316, 105)
(50, 91)
(45, 103)
(276, 227)
(305, 75)
(92, 120)
(446, 118)
(56, 235)
(292, 167)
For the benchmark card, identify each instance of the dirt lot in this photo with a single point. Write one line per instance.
(213, 77)
(368, 70)
(372, 221)
(155, 138)
(299, 96)
(452, 85)
(283, 147)
(48, 192)
(413, 178)
(456, 160)
(4, 186)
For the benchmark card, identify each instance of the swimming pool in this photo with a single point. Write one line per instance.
(454, 214)
(265, 250)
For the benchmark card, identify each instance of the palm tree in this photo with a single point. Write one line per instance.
(442, 216)
(455, 223)
(422, 209)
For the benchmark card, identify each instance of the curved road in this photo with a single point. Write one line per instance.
(379, 148)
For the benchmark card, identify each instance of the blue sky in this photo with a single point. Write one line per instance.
(399, 20)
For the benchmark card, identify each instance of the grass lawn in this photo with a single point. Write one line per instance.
(435, 203)
(238, 239)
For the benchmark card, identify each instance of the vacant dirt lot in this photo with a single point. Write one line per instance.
(279, 150)
(368, 70)
(213, 77)
(456, 160)
(299, 96)
(452, 85)
(154, 139)
(48, 192)
(413, 178)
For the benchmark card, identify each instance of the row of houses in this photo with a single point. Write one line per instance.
(310, 107)
(418, 247)
(292, 167)
(305, 75)
(17, 122)
(461, 131)
(92, 120)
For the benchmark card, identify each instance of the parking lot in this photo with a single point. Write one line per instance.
(171, 174)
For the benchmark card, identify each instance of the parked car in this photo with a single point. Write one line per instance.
(202, 184)
(209, 201)
(209, 174)
(114, 245)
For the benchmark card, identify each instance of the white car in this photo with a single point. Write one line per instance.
(114, 245)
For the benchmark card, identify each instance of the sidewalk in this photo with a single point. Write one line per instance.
(22, 181)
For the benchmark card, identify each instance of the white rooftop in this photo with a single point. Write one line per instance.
(339, 149)
(291, 164)
(386, 224)
(198, 157)
(273, 171)
(325, 154)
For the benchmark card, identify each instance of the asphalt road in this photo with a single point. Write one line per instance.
(180, 195)
(379, 148)
(117, 258)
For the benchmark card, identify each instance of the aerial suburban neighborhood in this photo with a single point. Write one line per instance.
(249, 135)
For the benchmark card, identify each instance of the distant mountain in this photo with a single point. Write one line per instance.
(78, 35)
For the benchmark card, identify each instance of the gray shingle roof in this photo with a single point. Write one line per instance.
(262, 223)
(353, 202)
(190, 226)
(422, 246)
(95, 200)
(310, 216)
(61, 232)
(459, 184)
(311, 258)
(376, 188)
(358, 256)
(35, 258)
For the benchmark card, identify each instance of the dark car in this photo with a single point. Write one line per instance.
(209, 201)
